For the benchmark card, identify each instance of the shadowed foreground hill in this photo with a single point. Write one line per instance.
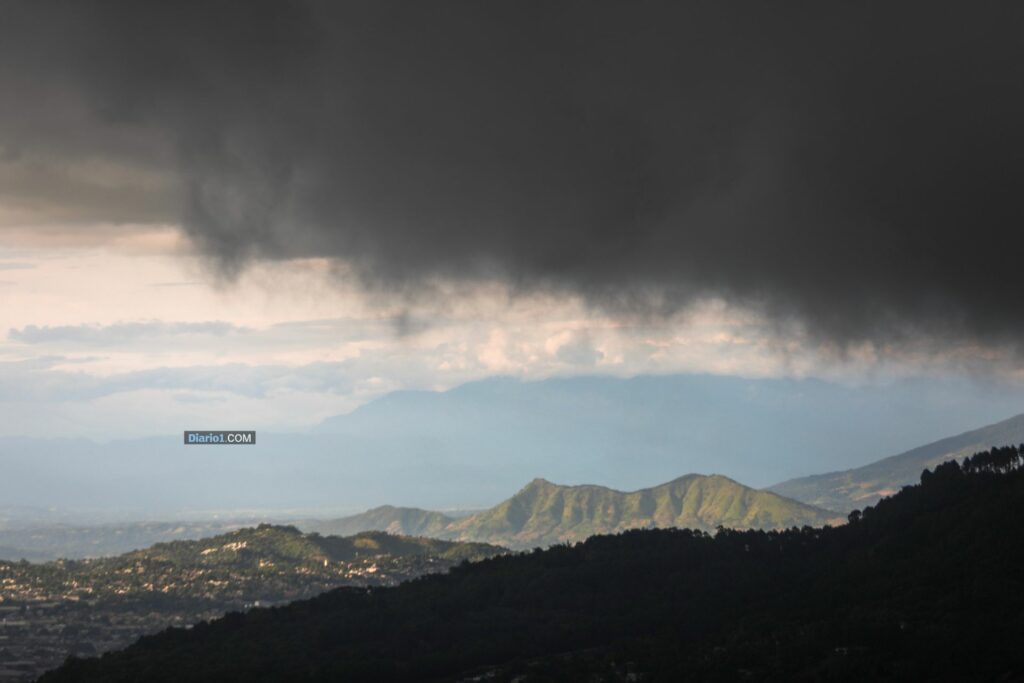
(925, 586)
(543, 513)
(852, 489)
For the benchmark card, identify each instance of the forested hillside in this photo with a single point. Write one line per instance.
(927, 585)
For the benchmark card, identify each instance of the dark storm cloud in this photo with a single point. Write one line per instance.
(854, 166)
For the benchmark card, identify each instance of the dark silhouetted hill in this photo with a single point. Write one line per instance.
(926, 585)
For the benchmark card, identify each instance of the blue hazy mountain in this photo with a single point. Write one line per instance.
(475, 445)
(863, 486)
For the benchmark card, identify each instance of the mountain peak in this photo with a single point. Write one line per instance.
(543, 513)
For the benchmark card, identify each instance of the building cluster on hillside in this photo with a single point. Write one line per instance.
(54, 610)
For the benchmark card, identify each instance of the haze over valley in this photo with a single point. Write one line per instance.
(473, 446)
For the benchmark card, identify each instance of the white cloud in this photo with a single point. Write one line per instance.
(132, 333)
(120, 333)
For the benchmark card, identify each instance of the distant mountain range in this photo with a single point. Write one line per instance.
(470, 446)
(862, 486)
(543, 513)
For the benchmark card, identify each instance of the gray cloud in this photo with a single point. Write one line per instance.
(855, 167)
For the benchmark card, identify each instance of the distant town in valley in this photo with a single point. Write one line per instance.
(49, 611)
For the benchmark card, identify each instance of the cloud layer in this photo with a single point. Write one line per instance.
(855, 168)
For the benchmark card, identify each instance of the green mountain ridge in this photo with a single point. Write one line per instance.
(863, 486)
(543, 513)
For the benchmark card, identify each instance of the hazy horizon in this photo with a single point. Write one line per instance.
(477, 444)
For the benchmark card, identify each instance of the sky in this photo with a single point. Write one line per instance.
(264, 214)
(137, 336)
